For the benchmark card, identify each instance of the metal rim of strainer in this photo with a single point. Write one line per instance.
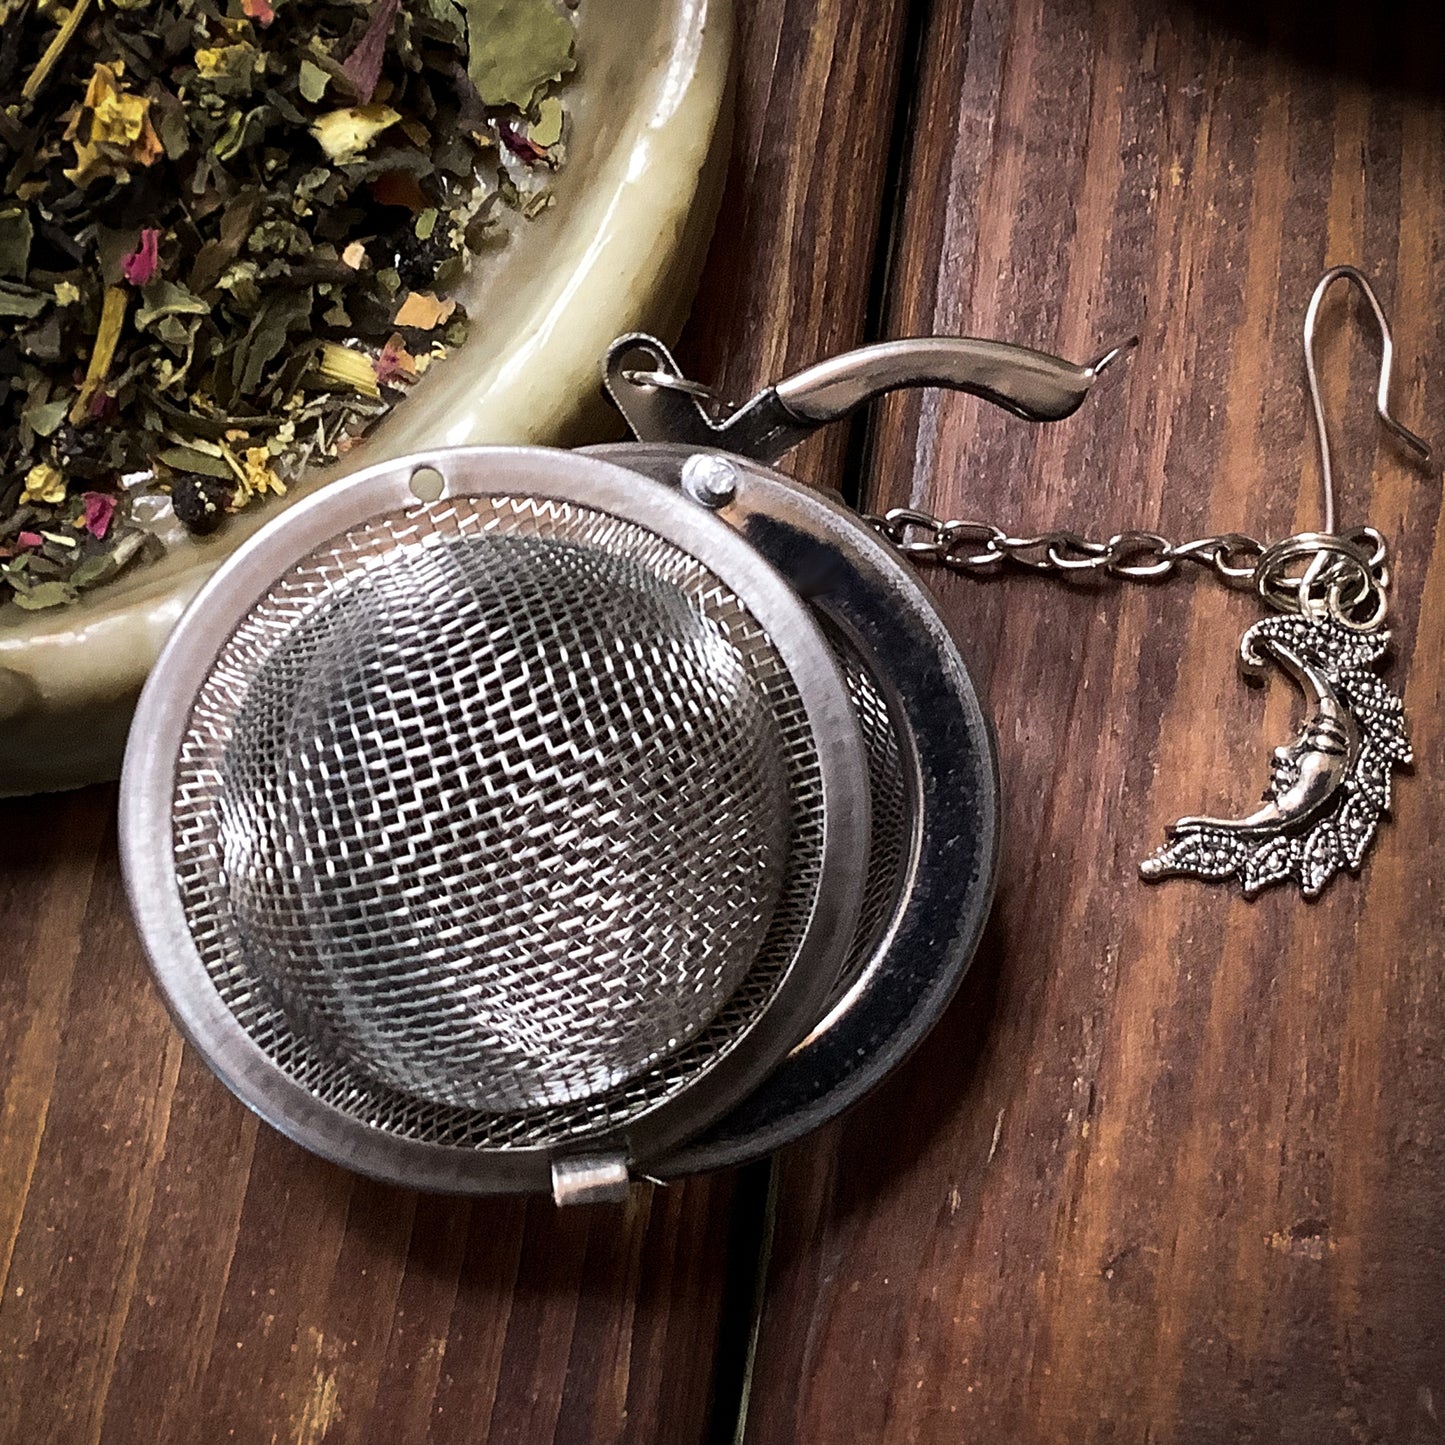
(148, 780)
(895, 989)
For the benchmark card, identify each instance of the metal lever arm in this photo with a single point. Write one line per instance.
(661, 405)
(1030, 384)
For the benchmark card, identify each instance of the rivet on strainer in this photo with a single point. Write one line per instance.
(517, 838)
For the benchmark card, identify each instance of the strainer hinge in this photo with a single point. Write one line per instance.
(600, 1176)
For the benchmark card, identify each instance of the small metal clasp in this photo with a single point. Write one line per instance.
(662, 405)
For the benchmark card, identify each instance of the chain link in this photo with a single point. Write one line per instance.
(967, 546)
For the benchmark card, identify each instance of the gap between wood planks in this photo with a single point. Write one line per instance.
(755, 1201)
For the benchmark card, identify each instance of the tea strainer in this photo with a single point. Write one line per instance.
(512, 819)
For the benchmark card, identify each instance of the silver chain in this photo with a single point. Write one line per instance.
(968, 546)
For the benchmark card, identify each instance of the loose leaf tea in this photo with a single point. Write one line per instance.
(518, 46)
(228, 237)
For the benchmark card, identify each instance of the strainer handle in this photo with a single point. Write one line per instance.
(661, 405)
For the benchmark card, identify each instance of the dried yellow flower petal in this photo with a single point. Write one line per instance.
(345, 134)
(43, 483)
(256, 476)
(111, 117)
(261, 476)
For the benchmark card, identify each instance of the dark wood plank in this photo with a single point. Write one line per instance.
(791, 268)
(1171, 1168)
(173, 1271)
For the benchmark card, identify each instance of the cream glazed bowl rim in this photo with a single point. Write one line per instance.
(620, 248)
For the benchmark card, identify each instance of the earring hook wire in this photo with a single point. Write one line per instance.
(1418, 445)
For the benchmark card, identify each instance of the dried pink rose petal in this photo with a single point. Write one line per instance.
(139, 268)
(98, 511)
(522, 146)
(395, 363)
(363, 65)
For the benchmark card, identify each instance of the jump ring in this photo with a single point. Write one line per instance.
(1350, 564)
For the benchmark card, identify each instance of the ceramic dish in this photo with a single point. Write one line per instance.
(620, 249)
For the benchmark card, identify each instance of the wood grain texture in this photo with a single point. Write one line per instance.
(1173, 1167)
(174, 1271)
(171, 1271)
(791, 268)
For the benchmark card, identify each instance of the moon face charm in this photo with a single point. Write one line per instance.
(1328, 788)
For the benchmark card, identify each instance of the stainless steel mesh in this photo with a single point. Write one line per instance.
(891, 819)
(497, 821)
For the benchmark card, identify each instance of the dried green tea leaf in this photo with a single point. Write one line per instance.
(517, 46)
(546, 130)
(16, 234)
(312, 80)
(21, 300)
(277, 319)
(92, 570)
(45, 418)
(192, 459)
(44, 594)
(165, 298)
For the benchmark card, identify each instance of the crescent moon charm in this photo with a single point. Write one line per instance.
(1328, 788)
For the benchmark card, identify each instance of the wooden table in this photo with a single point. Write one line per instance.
(1172, 1169)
